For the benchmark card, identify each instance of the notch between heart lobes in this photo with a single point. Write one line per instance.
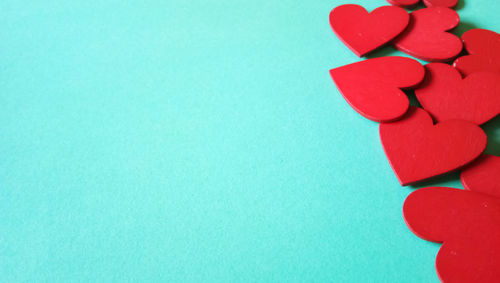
(427, 36)
(364, 32)
(467, 223)
(483, 47)
(417, 149)
(446, 95)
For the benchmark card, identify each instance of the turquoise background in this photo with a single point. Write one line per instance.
(195, 141)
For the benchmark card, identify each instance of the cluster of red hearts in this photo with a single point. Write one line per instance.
(443, 134)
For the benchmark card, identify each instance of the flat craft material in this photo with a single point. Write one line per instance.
(373, 87)
(484, 49)
(426, 36)
(468, 225)
(417, 149)
(446, 96)
(428, 3)
(403, 3)
(364, 32)
(483, 175)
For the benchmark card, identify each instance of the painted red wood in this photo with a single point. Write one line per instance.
(484, 49)
(445, 95)
(417, 149)
(428, 3)
(440, 3)
(403, 3)
(483, 175)
(373, 87)
(426, 36)
(364, 32)
(468, 225)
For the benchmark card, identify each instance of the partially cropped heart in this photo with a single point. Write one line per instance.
(417, 149)
(373, 87)
(426, 36)
(468, 225)
(364, 32)
(483, 175)
(484, 49)
(445, 95)
(428, 3)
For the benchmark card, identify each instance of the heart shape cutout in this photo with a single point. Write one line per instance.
(364, 32)
(373, 87)
(483, 47)
(445, 95)
(428, 3)
(483, 175)
(426, 36)
(468, 225)
(417, 149)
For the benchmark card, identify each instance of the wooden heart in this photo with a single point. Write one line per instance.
(445, 95)
(373, 87)
(484, 49)
(468, 225)
(483, 175)
(426, 36)
(364, 32)
(417, 149)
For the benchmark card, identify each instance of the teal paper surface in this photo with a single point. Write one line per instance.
(195, 141)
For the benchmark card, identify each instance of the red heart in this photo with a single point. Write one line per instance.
(468, 225)
(483, 47)
(426, 37)
(418, 150)
(372, 87)
(428, 3)
(403, 3)
(483, 175)
(445, 95)
(364, 32)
